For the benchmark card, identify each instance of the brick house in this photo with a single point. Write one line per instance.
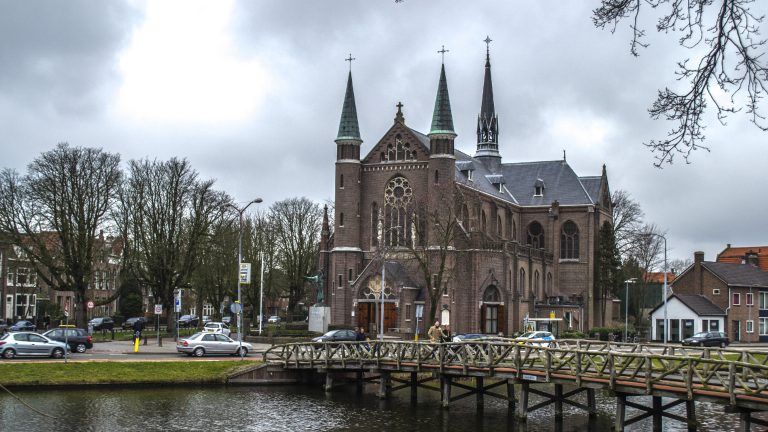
(687, 314)
(741, 290)
(524, 246)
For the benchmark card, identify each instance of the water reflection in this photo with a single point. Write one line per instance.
(292, 408)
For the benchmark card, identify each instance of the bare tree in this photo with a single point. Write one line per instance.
(731, 66)
(296, 224)
(627, 220)
(216, 277)
(54, 214)
(166, 214)
(678, 265)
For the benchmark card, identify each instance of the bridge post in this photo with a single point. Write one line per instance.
(480, 390)
(446, 393)
(621, 408)
(559, 401)
(522, 408)
(591, 404)
(746, 420)
(690, 408)
(384, 384)
(414, 386)
(328, 382)
(360, 381)
(657, 413)
(511, 396)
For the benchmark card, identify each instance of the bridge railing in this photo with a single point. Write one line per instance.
(723, 373)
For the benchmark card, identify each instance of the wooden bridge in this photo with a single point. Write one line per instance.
(736, 379)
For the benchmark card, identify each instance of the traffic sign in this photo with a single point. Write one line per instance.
(177, 305)
(158, 309)
(245, 273)
(236, 308)
(90, 304)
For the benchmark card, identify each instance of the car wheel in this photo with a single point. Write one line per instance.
(199, 352)
(57, 353)
(80, 348)
(242, 352)
(9, 353)
(722, 344)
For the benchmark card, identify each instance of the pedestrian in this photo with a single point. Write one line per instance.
(434, 333)
(361, 337)
(445, 334)
(47, 322)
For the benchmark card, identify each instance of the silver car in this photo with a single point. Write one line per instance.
(27, 344)
(200, 344)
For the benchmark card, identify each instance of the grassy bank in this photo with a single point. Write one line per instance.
(85, 373)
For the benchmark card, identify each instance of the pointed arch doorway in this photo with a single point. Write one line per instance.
(492, 312)
(369, 306)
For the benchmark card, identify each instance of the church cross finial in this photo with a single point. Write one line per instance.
(488, 41)
(399, 115)
(442, 52)
(349, 59)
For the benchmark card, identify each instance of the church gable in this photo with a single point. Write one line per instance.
(399, 144)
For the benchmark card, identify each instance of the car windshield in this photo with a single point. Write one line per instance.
(528, 335)
(331, 333)
(195, 336)
(701, 335)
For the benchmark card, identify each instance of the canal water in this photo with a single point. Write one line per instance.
(299, 408)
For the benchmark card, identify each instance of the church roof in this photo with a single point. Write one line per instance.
(442, 118)
(592, 186)
(348, 126)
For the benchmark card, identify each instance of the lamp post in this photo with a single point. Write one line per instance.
(626, 305)
(666, 330)
(240, 211)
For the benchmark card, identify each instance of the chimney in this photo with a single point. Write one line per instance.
(698, 257)
(698, 282)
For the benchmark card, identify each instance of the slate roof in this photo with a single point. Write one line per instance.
(592, 186)
(738, 274)
(699, 304)
(442, 118)
(348, 126)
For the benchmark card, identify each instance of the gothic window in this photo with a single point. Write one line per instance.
(437, 177)
(536, 235)
(499, 227)
(397, 225)
(549, 284)
(374, 224)
(513, 228)
(400, 151)
(341, 181)
(483, 222)
(569, 241)
(521, 283)
(465, 216)
(536, 285)
(491, 294)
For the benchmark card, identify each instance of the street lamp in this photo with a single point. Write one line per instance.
(666, 330)
(240, 211)
(626, 305)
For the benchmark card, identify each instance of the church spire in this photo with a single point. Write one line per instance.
(442, 119)
(348, 126)
(487, 121)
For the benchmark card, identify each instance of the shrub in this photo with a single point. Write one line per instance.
(573, 334)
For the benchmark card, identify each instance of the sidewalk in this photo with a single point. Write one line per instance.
(169, 347)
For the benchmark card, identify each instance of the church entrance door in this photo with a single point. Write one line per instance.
(368, 315)
(493, 319)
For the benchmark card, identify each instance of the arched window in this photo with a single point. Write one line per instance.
(549, 285)
(521, 283)
(375, 224)
(400, 150)
(341, 181)
(465, 216)
(491, 294)
(536, 235)
(483, 222)
(499, 227)
(437, 177)
(536, 285)
(569, 241)
(513, 228)
(341, 219)
(397, 197)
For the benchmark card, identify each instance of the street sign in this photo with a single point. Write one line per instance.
(90, 304)
(419, 310)
(245, 273)
(158, 309)
(236, 308)
(177, 305)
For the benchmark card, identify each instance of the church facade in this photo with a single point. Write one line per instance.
(481, 244)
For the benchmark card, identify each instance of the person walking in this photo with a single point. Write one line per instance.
(434, 333)
(445, 334)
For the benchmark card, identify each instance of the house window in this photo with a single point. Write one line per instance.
(749, 299)
(715, 291)
(750, 326)
(341, 281)
(469, 175)
(763, 326)
(408, 312)
(763, 299)
(736, 299)
(569, 241)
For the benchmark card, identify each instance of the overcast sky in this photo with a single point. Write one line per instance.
(251, 93)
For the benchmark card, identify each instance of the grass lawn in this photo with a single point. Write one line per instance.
(154, 372)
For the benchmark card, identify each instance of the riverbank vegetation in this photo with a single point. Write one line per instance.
(100, 373)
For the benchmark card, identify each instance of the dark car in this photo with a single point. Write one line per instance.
(337, 336)
(188, 321)
(22, 325)
(78, 339)
(708, 339)
(102, 323)
(128, 324)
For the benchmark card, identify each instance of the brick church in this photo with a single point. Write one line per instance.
(485, 245)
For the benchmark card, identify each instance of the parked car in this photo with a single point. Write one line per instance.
(206, 319)
(712, 338)
(78, 339)
(200, 344)
(477, 337)
(216, 327)
(540, 338)
(27, 344)
(337, 336)
(22, 325)
(188, 321)
(274, 319)
(227, 320)
(102, 323)
(128, 324)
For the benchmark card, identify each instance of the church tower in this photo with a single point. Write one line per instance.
(442, 161)
(346, 256)
(488, 122)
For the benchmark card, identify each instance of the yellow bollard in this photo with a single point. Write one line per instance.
(136, 345)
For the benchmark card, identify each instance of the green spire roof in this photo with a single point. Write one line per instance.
(442, 119)
(348, 127)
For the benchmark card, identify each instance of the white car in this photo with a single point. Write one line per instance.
(216, 327)
(274, 319)
(539, 338)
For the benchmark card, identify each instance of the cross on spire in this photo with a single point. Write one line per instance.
(487, 41)
(349, 59)
(442, 52)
